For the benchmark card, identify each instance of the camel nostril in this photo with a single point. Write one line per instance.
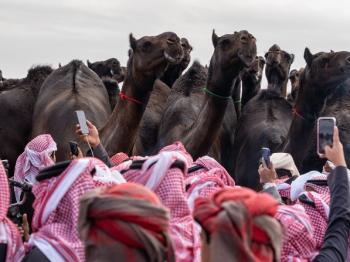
(244, 39)
(170, 41)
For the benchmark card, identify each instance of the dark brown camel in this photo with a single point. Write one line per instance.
(111, 74)
(294, 81)
(149, 58)
(109, 68)
(265, 120)
(174, 71)
(200, 115)
(251, 79)
(17, 105)
(148, 131)
(323, 73)
(69, 88)
(277, 66)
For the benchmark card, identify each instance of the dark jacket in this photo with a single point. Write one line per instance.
(100, 153)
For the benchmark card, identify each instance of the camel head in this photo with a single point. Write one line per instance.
(187, 49)
(294, 77)
(233, 50)
(326, 70)
(254, 72)
(278, 63)
(109, 68)
(150, 55)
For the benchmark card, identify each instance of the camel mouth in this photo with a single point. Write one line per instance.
(169, 58)
(112, 72)
(247, 60)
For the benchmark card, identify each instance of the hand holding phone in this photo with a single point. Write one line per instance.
(265, 157)
(325, 129)
(82, 122)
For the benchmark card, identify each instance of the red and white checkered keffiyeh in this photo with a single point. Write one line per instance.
(297, 186)
(179, 147)
(168, 184)
(119, 158)
(35, 157)
(318, 215)
(104, 176)
(298, 238)
(322, 190)
(205, 182)
(56, 208)
(8, 231)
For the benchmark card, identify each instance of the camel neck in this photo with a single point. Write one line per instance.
(278, 86)
(119, 134)
(249, 90)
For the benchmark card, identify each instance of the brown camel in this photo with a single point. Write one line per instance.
(279, 62)
(199, 115)
(149, 58)
(323, 73)
(251, 79)
(17, 105)
(294, 76)
(69, 88)
(148, 131)
(265, 120)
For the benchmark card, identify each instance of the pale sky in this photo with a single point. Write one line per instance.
(48, 32)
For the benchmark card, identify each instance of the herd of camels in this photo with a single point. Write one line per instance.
(220, 110)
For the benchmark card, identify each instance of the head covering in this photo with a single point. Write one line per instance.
(104, 176)
(8, 231)
(284, 161)
(318, 214)
(237, 228)
(323, 190)
(115, 222)
(56, 208)
(167, 182)
(119, 158)
(205, 182)
(298, 240)
(35, 157)
(179, 147)
(297, 186)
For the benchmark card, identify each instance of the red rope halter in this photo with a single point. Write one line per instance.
(124, 97)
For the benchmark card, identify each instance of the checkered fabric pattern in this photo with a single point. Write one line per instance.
(171, 191)
(118, 158)
(36, 156)
(318, 215)
(298, 238)
(60, 227)
(322, 190)
(104, 176)
(178, 147)
(8, 231)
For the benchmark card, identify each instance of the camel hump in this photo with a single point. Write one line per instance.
(192, 81)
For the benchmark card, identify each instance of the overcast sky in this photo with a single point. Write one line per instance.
(48, 32)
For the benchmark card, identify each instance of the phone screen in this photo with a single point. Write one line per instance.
(325, 134)
(82, 122)
(265, 154)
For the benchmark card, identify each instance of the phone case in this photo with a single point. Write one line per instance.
(318, 130)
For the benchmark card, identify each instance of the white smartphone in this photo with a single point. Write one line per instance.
(325, 129)
(82, 122)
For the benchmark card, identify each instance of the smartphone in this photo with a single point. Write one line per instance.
(74, 148)
(325, 128)
(82, 122)
(265, 156)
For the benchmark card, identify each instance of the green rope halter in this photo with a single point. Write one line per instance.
(215, 95)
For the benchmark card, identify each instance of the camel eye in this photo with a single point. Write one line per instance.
(225, 43)
(146, 46)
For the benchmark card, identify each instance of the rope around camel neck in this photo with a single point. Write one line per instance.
(215, 95)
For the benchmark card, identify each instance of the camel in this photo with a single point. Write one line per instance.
(148, 131)
(69, 88)
(323, 73)
(201, 114)
(175, 70)
(2, 79)
(294, 76)
(251, 80)
(17, 105)
(265, 120)
(109, 68)
(149, 58)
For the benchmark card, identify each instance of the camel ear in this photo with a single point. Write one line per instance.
(130, 52)
(88, 63)
(292, 58)
(132, 41)
(214, 38)
(308, 56)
